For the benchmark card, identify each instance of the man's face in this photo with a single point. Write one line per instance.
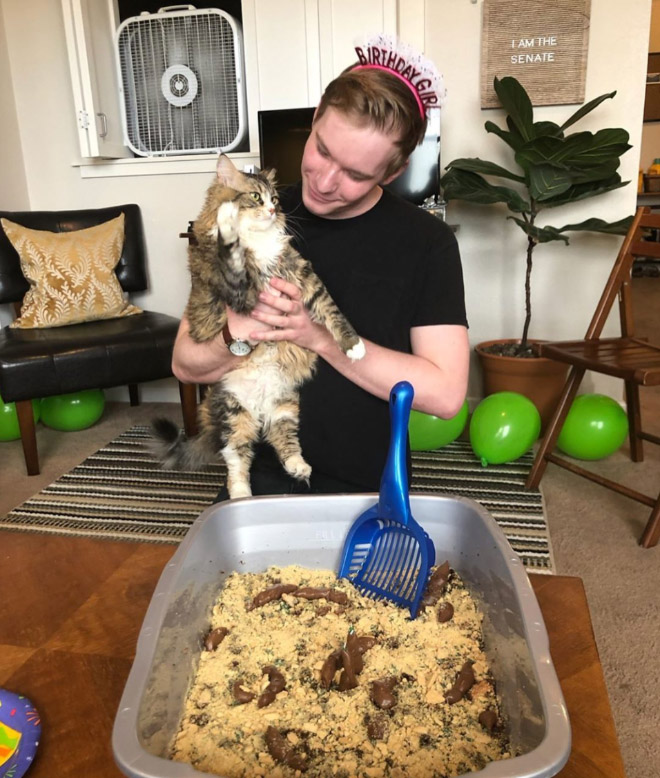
(343, 165)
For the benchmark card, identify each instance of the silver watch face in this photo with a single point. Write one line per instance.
(240, 348)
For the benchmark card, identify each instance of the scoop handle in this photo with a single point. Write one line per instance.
(394, 502)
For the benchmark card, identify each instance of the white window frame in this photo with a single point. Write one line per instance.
(90, 27)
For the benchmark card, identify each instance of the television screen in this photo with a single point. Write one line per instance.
(284, 132)
(282, 137)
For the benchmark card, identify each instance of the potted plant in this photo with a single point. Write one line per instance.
(551, 168)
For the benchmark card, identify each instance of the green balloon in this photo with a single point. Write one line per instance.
(430, 432)
(504, 426)
(70, 412)
(9, 429)
(595, 427)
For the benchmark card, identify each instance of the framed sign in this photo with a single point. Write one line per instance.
(542, 43)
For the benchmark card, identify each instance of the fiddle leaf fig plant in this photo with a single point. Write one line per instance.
(552, 168)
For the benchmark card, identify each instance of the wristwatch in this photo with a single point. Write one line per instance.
(238, 347)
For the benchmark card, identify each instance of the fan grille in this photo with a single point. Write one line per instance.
(180, 75)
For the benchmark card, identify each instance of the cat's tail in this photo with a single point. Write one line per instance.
(174, 450)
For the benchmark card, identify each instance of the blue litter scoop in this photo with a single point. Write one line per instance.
(387, 554)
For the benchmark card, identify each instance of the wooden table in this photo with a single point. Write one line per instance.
(71, 610)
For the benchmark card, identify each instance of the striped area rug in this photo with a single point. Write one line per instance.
(120, 493)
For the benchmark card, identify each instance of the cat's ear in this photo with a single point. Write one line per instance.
(228, 175)
(271, 176)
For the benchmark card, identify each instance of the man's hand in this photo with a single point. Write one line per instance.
(243, 327)
(287, 318)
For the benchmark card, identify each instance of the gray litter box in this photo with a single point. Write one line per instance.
(249, 535)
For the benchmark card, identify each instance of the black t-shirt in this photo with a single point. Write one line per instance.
(390, 269)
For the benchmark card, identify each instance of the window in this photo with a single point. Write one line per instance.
(180, 87)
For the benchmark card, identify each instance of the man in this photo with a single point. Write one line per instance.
(393, 270)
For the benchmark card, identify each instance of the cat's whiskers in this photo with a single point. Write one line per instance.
(291, 228)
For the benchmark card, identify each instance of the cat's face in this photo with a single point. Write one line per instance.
(254, 194)
(258, 205)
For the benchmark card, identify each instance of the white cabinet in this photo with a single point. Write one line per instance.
(301, 45)
(344, 24)
(89, 26)
(285, 41)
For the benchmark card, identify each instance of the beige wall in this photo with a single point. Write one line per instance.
(566, 281)
(14, 189)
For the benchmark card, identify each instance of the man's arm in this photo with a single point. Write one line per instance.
(206, 363)
(437, 368)
(200, 363)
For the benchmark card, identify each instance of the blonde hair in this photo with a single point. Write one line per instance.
(377, 98)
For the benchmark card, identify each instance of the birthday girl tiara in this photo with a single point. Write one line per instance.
(387, 52)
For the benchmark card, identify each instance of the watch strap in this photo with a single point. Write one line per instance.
(237, 346)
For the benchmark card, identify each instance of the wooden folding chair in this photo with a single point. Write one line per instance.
(630, 358)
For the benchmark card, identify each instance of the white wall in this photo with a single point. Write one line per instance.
(13, 191)
(566, 281)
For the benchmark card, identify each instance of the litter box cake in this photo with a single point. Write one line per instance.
(300, 673)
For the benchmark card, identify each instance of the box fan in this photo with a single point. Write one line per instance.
(181, 75)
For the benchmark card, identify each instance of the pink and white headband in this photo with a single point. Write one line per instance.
(386, 52)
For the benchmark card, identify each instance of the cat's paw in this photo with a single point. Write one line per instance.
(238, 490)
(357, 351)
(298, 468)
(228, 222)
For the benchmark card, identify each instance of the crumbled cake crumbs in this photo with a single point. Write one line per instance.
(390, 718)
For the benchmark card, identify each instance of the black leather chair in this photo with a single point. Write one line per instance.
(38, 363)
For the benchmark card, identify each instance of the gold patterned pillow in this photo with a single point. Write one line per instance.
(71, 274)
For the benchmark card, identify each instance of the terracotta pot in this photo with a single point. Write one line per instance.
(538, 378)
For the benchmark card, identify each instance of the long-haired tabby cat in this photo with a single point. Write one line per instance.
(241, 243)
